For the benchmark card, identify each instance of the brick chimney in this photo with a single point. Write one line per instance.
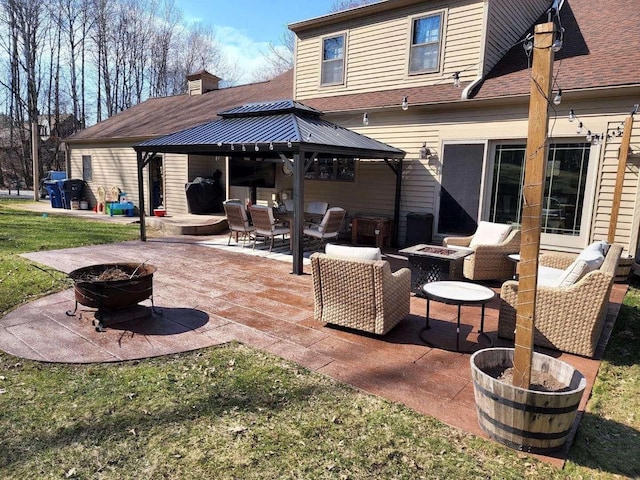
(202, 82)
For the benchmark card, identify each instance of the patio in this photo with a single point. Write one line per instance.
(209, 296)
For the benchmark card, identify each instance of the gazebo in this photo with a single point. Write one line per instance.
(276, 131)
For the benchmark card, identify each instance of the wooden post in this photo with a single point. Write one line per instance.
(36, 161)
(533, 191)
(622, 165)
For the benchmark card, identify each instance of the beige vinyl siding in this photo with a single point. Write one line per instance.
(628, 215)
(378, 49)
(420, 184)
(116, 165)
(112, 166)
(507, 21)
(175, 167)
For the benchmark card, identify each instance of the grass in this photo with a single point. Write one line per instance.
(234, 412)
(22, 231)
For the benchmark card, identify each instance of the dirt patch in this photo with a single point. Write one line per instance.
(540, 381)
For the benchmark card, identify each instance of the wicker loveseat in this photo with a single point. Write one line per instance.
(568, 318)
(358, 293)
(489, 260)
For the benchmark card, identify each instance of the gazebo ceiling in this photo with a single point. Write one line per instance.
(273, 127)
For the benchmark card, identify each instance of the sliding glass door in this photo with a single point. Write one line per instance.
(568, 190)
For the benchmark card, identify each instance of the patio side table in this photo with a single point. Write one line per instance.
(458, 293)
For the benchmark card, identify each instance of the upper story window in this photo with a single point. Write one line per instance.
(333, 60)
(425, 44)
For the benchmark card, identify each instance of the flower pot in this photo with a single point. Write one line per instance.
(523, 419)
(159, 212)
(625, 262)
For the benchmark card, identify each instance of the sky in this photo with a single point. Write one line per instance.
(244, 28)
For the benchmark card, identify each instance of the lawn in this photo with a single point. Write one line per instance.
(235, 412)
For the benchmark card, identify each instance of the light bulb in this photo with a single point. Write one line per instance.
(528, 46)
(456, 79)
(579, 131)
(558, 98)
(257, 148)
(405, 103)
(270, 145)
(219, 144)
(556, 46)
(233, 147)
(244, 149)
(589, 136)
(572, 115)
(365, 119)
(289, 143)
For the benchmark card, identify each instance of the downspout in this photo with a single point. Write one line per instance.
(483, 45)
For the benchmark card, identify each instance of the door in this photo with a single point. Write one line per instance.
(156, 179)
(460, 188)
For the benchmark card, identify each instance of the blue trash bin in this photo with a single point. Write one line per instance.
(71, 190)
(55, 195)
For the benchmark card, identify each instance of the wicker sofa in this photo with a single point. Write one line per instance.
(489, 261)
(359, 293)
(568, 318)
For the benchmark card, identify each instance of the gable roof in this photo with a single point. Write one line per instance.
(163, 115)
(601, 50)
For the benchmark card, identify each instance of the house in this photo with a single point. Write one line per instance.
(102, 155)
(465, 146)
(448, 82)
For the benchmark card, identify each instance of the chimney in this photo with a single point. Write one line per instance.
(202, 82)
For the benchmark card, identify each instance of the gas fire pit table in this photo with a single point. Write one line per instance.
(434, 263)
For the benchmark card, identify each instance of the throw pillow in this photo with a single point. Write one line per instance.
(572, 273)
(353, 253)
(489, 233)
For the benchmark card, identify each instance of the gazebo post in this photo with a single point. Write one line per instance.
(298, 212)
(143, 230)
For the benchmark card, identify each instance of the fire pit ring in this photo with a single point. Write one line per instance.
(112, 286)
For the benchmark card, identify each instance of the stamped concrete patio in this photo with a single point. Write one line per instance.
(207, 296)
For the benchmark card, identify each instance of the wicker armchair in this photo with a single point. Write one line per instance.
(487, 262)
(359, 294)
(568, 318)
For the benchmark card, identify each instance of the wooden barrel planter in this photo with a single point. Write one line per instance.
(528, 420)
(623, 269)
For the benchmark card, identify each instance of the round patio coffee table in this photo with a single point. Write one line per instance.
(457, 293)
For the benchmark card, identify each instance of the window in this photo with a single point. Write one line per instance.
(564, 189)
(333, 60)
(87, 169)
(425, 44)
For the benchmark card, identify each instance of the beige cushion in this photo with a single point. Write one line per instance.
(489, 233)
(353, 253)
(586, 262)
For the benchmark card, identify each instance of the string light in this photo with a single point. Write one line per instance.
(365, 119)
(219, 144)
(270, 145)
(558, 98)
(257, 148)
(233, 147)
(244, 149)
(589, 136)
(289, 143)
(572, 115)
(405, 103)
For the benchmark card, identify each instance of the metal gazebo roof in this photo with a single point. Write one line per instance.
(282, 131)
(279, 126)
